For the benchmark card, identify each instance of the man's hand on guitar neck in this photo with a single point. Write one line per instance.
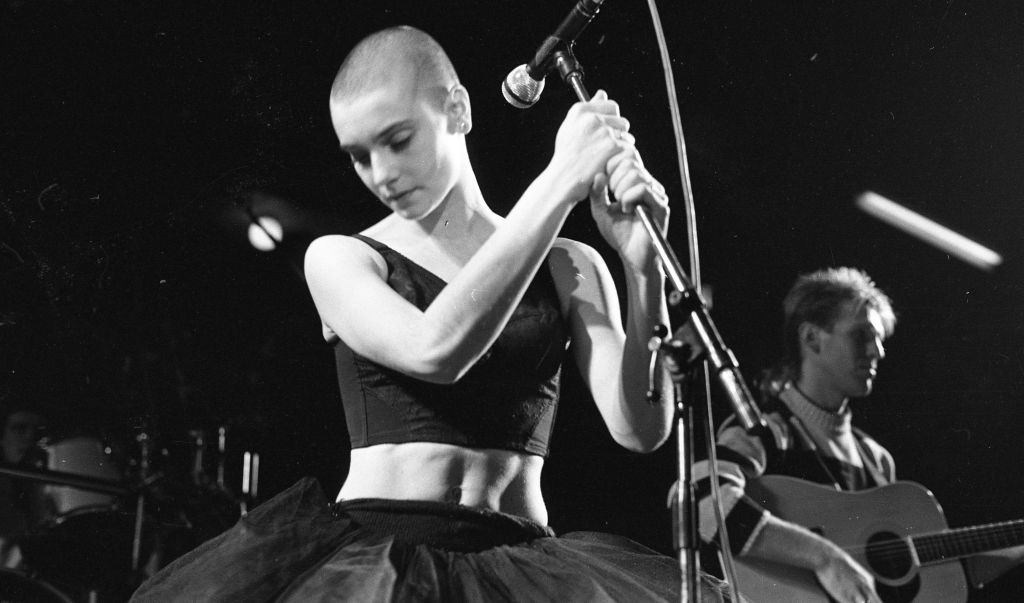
(840, 575)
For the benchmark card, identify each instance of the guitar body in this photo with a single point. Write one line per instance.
(855, 520)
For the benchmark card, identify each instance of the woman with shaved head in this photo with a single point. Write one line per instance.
(450, 326)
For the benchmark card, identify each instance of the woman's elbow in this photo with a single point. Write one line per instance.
(436, 366)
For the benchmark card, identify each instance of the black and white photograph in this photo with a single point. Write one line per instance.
(453, 301)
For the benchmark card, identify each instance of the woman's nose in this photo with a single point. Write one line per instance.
(383, 169)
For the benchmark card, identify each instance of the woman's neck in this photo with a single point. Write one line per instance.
(456, 228)
(463, 215)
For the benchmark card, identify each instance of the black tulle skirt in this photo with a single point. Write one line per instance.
(297, 547)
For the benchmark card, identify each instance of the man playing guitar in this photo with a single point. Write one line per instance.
(835, 323)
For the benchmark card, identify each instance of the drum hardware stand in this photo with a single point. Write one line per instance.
(717, 358)
(222, 436)
(200, 477)
(250, 469)
(145, 468)
(198, 456)
(250, 480)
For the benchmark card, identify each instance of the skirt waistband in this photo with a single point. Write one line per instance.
(447, 526)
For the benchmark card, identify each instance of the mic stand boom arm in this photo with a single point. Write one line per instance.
(719, 358)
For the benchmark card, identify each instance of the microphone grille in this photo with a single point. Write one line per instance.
(521, 90)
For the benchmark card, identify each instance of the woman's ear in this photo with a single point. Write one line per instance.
(458, 110)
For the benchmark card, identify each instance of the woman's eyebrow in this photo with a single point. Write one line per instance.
(387, 131)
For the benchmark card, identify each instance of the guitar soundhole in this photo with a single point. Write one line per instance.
(888, 557)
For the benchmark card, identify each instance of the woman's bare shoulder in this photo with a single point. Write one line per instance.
(571, 258)
(336, 252)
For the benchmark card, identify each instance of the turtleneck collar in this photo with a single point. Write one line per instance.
(817, 419)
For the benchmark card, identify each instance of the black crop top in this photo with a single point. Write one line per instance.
(507, 400)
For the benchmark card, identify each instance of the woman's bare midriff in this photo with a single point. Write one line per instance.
(499, 480)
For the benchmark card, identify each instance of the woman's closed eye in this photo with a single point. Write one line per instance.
(395, 145)
(400, 143)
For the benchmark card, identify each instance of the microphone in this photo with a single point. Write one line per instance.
(523, 85)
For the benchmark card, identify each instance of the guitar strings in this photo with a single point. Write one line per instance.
(998, 535)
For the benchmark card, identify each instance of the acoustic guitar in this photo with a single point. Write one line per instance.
(897, 531)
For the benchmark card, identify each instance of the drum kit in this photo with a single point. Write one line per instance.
(101, 520)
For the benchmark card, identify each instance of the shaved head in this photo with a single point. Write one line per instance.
(397, 50)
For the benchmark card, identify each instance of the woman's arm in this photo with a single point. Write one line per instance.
(614, 360)
(440, 344)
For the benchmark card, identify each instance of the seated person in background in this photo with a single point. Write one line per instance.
(21, 430)
(835, 323)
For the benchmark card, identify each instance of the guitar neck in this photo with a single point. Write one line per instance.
(964, 542)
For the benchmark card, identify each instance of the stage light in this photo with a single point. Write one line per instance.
(265, 233)
(928, 231)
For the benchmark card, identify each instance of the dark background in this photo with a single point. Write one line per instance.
(137, 137)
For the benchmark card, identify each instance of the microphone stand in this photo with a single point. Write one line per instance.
(718, 359)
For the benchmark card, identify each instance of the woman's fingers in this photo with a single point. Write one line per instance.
(631, 183)
(599, 190)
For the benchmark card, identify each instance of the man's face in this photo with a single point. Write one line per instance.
(850, 351)
(20, 433)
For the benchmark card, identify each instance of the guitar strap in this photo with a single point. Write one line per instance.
(865, 458)
(808, 441)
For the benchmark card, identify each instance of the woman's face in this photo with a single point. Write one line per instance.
(402, 145)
